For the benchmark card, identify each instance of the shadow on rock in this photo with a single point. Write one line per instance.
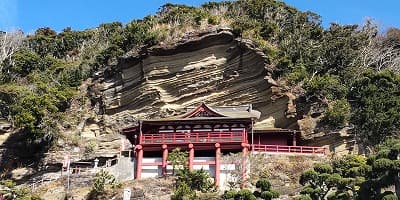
(22, 150)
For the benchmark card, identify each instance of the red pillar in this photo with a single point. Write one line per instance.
(244, 163)
(139, 159)
(294, 138)
(164, 159)
(217, 163)
(191, 156)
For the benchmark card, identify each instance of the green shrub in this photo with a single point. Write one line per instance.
(245, 194)
(101, 180)
(297, 74)
(390, 197)
(326, 86)
(304, 197)
(90, 147)
(267, 195)
(183, 191)
(213, 20)
(337, 114)
(263, 184)
(229, 194)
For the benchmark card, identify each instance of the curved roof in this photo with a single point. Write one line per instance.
(205, 112)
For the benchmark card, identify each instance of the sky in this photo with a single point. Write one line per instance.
(29, 15)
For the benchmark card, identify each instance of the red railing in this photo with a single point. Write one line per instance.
(290, 149)
(193, 137)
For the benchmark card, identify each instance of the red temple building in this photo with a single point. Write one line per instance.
(207, 133)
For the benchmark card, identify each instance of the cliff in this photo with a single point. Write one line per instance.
(213, 67)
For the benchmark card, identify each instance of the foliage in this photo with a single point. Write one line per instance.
(46, 41)
(238, 163)
(337, 114)
(265, 192)
(375, 101)
(183, 191)
(14, 192)
(102, 180)
(90, 147)
(188, 182)
(390, 197)
(345, 175)
(198, 180)
(326, 86)
(356, 176)
(263, 184)
(384, 171)
(26, 61)
(177, 158)
(243, 194)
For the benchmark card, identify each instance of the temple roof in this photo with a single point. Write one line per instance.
(205, 112)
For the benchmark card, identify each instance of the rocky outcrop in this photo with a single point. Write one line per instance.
(215, 68)
(339, 140)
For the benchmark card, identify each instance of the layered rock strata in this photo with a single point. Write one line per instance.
(214, 68)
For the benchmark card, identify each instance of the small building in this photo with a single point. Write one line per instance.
(207, 133)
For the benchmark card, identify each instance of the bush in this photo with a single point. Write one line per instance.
(263, 184)
(390, 197)
(22, 193)
(326, 86)
(101, 180)
(297, 74)
(90, 147)
(183, 191)
(245, 194)
(337, 114)
(229, 194)
(267, 195)
(304, 197)
(213, 20)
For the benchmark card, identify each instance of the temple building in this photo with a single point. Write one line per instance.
(207, 133)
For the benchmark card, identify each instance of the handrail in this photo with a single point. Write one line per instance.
(193, 137)
(290, 149)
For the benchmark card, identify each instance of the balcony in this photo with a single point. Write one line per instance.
(290, 149)
(194, 137)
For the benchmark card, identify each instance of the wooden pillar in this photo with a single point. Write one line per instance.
(139, 160)
(294, 138)
(191, 156)
(244, 163)
(164, 159)
(217, 163)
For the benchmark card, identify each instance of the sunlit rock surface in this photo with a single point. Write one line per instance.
(214, 68)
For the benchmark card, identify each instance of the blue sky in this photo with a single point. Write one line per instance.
(29, 15)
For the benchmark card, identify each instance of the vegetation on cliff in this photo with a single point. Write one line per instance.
(356, 176)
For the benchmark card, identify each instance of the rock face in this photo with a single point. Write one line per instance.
(214, 68)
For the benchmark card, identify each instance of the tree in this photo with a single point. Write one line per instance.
(10, 42)
(338, 113)
(101, 180)
(177, 158)
(345, 175)
(243, 194)
(188, 182)
(10, 191)
(385, 171)
(266, 192)
(375, 99)
(381, 52)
